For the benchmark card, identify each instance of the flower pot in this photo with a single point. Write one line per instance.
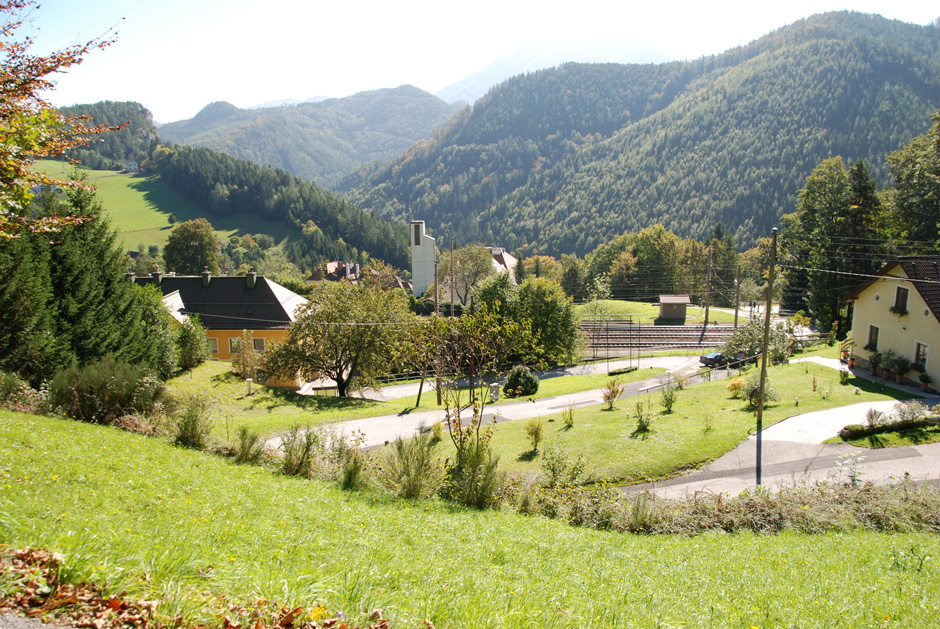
(924, 385)
(851, 362)
(900, 377)
(886, 373)
(874, 371)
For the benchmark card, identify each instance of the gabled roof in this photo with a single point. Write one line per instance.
(923, 272)
(230, 302)
(674, 299)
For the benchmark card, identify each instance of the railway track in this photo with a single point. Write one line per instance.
(621, 336)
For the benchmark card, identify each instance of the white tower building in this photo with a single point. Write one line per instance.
(423, 256)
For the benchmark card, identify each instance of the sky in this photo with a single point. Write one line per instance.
(176, 56)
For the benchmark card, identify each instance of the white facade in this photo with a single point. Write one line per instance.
(423, 257)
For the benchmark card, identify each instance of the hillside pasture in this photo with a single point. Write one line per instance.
(139, 206)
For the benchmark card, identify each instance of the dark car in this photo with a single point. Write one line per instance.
(717, 359)
(713, 359)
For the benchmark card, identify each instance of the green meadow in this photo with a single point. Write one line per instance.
(140, 205)
(207, 539)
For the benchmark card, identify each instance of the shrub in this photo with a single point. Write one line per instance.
(535, 429)
(299, 446)
(611, 392)
(873, 417)
(559, 468)
(621, 372)
(193, 423)
(735, 386)
(250, 446)
(473, 477)
(669, 394)
(643, 417)
(352, 477)
(567, 417)
(752, 390)
(437, 431)
(410, 469)
(193, 343)
(105, 389)
(521, 382)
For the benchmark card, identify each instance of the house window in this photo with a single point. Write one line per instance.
(417, 234)
(214, 344)
(258, 344)
(233, 344)
(900, 300)
(920, 356)
(873, 331)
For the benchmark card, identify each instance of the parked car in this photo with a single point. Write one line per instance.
(717, 359)
(713, 359)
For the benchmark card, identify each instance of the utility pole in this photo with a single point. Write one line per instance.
(737, 297)
(763, 357)
(451, 277)
(708, 293)
(437, 291)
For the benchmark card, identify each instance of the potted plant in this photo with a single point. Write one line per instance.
(901, 366)
(925, 380)
(887, 363)
(875, 361)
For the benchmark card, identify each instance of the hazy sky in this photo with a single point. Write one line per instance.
(176, 56)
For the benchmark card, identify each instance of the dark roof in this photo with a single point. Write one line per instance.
(923, 273)
(228, 303)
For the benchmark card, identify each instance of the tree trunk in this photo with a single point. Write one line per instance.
(420, 389)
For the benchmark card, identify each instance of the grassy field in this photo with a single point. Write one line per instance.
(140, 205)
(198, 534)
(907, 437)
(644, 312)
(705, 423)
(271, 410)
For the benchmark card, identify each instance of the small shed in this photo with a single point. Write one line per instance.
(672, 307)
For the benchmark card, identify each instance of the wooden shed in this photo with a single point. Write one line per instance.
(672, 307)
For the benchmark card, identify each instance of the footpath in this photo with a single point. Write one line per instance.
(386, 428)
(793, 452)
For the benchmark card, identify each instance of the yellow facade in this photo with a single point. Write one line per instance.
(914, 335)
(224, 342)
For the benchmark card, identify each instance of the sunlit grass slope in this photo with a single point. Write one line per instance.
(195, 533)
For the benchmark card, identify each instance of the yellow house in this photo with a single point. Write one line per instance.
(227, 305)
(900, 311)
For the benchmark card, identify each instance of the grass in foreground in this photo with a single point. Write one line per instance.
(195, 533)
(705, 423)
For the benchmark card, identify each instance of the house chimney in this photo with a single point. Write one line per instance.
(206, 276)
(156, 275)
(250, 278)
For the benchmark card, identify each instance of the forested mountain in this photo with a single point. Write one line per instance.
(320, 141)
(113, 149)
(328, 228)
(561, 160)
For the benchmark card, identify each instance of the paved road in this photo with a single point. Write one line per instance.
(793, 451)
(382, 429)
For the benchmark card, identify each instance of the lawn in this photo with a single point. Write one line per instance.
(705, 423)
(202, 537)
(139, 206)
(644, 312)
(269, 410)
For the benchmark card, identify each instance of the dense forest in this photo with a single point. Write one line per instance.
(329, 227)
(562, 160)
(112, 150)
(320, 141)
